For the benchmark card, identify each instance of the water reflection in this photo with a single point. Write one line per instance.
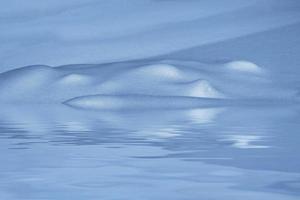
(57, 152)
(245, 141)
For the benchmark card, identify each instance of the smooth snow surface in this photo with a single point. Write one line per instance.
(244, 66)
(58, 32)
(108, 102)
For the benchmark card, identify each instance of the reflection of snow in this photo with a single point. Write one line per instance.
(160, 133)
(202, 116)
(245, 141)
(75, 127)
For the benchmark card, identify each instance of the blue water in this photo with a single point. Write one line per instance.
(56, 152)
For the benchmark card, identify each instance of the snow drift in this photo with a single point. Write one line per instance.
(153, 84)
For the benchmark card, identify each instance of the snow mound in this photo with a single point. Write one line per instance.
(166, 81)
(24, 82)
(202, 88)
(112, 102)
(244, 66)
(160, 71)
(29, 72)
(74, 78)
(154, 80)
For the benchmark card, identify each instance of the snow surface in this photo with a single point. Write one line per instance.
(244, 66)
(141, 84)
(226, 51)
(56, 32)
(118, 102)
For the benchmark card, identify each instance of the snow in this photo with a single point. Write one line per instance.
(244, 66)
(89, 31)
(202, 88)
(167, 95)
(185, 49)
(74, 78)
(141, 84)
(121, 102)
(160, 71)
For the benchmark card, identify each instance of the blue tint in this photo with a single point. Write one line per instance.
(149, 100)
(59, 152)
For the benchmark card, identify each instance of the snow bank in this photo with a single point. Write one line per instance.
(48, 84)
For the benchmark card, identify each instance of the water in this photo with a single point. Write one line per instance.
(56, 152)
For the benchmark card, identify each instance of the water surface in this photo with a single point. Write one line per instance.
(57, 152)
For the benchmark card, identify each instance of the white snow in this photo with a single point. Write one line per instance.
(109, 32)
(46, 84)
(76, 79)
(112, 102)
(163, 71)
(244, 66)
(167, 83)
(202, 88)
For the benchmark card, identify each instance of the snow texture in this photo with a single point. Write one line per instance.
(156, 84)
(90, 31)
(149, 51)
